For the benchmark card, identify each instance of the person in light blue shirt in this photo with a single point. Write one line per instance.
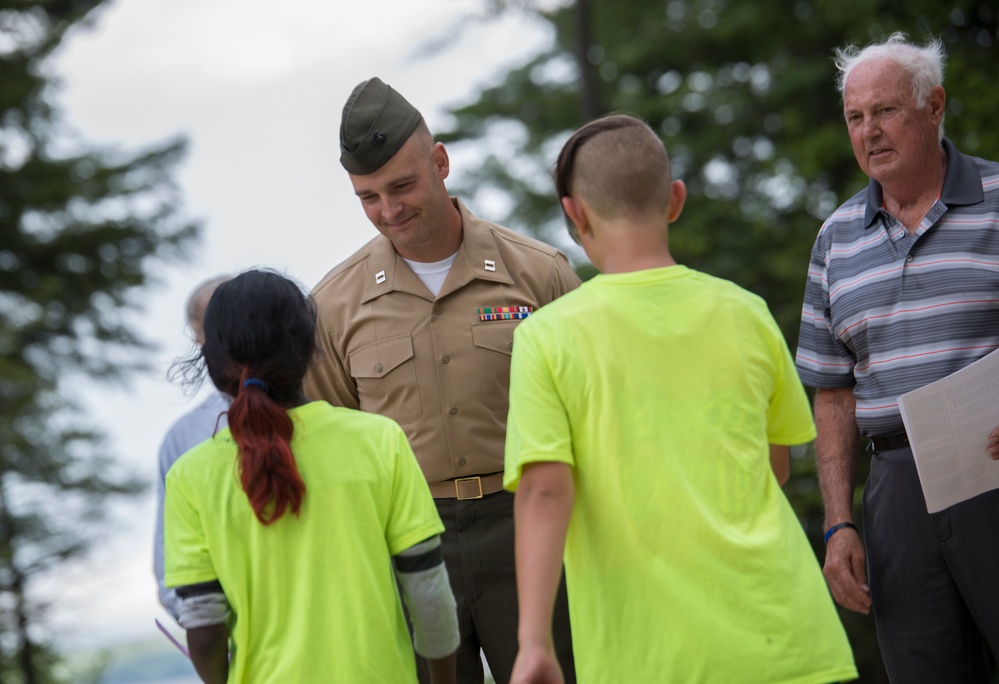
(189, 430)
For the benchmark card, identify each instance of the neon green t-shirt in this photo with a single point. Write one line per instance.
(313, 598)
(684, 560)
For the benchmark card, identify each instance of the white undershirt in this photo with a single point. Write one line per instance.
(432, 274)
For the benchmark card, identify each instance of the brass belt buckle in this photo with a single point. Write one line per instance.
(457, 488)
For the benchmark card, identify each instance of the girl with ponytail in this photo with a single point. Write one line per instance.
(289, 534)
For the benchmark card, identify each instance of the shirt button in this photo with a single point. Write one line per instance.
(446, 359)
(378, 368)
(438, 311)
(462, 461)
(908, 257)
(453, 410)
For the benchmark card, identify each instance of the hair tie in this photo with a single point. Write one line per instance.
(253, 382)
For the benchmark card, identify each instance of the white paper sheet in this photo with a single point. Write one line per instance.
(948, 423)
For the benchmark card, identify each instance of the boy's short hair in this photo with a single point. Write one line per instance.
(618, 164)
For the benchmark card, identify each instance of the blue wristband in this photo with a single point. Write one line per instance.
(836, 528)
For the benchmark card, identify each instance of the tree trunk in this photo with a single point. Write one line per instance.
(591, 102)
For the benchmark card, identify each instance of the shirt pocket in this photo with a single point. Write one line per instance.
(385, 375)
(493, 347)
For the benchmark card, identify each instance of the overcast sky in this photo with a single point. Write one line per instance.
(257, 86)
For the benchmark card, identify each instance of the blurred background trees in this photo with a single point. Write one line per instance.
(79, 229)
(743, 95)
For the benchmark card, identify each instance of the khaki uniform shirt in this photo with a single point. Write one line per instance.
(388, 346)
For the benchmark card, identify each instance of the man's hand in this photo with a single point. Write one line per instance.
(845, 571)
(536, 665)
(994, 444)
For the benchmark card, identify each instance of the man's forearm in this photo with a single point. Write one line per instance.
(836, 447)
(542, 509)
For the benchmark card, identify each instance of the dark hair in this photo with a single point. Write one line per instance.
(563, 167)
(260, 335)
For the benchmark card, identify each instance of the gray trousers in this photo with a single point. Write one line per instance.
(934, 578)
(477, 545)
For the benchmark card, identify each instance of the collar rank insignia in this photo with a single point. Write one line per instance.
(505, 313)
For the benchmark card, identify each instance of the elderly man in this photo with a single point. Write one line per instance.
(903, 289)
(418, 326)
(191, 429)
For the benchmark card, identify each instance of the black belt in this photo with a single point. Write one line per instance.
(884, 443)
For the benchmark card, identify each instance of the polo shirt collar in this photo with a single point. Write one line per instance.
(478, 258)
(962, 184)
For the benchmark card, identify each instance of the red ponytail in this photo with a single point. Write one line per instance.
(267, 470)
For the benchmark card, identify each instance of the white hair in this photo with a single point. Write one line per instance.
(197, 302)
(924, 64)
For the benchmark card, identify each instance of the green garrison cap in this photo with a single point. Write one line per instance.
(376, 122)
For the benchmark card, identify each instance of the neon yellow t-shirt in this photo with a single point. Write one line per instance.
(314, 598)
(684, 560)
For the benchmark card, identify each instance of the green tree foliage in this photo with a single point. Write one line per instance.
(78, 228)
(743, 95)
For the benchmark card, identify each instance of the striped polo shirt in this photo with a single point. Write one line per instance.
(888, 312)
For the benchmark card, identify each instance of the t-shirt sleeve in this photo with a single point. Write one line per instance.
(186, 550)
(538, 423)
(822, 359)
(789, 415)
(412, 516)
